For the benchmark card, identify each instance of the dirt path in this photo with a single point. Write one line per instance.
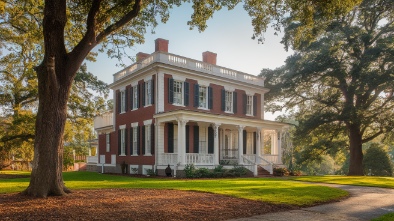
(364, 203)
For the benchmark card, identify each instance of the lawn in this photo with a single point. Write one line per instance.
(277, 191)
(384, 182)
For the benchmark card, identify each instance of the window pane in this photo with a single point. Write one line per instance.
(203, 97)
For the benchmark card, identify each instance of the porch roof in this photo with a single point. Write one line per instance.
(197, 116)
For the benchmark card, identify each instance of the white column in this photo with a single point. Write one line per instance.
(262, 142)
(258, 145)
(160, 93)
(240, 143)
(216, 143)
(273, 135)
(279, 134)
(159, 141)
(181, 141)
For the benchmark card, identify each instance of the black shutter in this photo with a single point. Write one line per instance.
(131, 140)
(170, 90)
(223, 100)
(152, 139)
(143, 139)
(152, 92)
(119, 140)
(170, 128)
(186, 94)
(254, 105)
(210, 98)
(254, 142)
(244, 101)
(235, 98)
(118, 101)
(187, 139)
(131, 98)
(143, 94)
(244, 141)
(210, 140)
(125, 99)
(196, 141)
(138, 96)
(196, 93)
(138, 141)
(125, 141)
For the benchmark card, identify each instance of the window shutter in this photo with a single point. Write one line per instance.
(235, 98)
(125, 99)
(186, 94)
(210, 98)
(152, 139)
(131, 140)
(118, 101)
(131, 98)
(254, 142)
(170, 90)
(244, 100)
(138, 141)
(210, 140)
(138, 96)
(223, 100)
(170, 128)
(244, 141)
(143, 139)
(196, 138)
(125, 141)
(119, 140)
(196, 92)
(152, 86)
(187, 139)
(143, 94)
(254, 105)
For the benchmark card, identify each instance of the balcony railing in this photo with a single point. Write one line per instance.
(199, 159)
(104, 120)
(190, 64)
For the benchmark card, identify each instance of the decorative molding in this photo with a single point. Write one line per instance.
(147, 122)
(229, 88)
(121, 127)
(178, 77)
(135, 124)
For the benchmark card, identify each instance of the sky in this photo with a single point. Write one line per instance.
(228, 34)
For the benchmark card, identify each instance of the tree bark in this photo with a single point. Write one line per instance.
(356, 153)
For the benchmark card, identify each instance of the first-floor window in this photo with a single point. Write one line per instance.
(123, 142)
(148, 140)
(229, 101)
(135, 143)
(107, 142)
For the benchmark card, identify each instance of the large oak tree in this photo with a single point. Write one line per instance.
(71, 29)
(341, 83)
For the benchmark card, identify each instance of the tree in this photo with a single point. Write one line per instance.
(377, 161)
(71, 29)
(342, 83)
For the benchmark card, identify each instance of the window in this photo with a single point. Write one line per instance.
(122, 101)
(148, 140)
(202, 97)
(123, 142)
(229, 101)
(135, 97)
(148, 92)
(107, 142)
(178, 92)
(135, 140)
(249, 105)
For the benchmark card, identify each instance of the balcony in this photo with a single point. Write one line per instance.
(190, 64)
(105, 120)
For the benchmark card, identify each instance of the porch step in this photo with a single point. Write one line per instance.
(261, 172)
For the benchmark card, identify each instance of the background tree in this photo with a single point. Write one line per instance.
(340, 84)
(377, 161)
(71, 29)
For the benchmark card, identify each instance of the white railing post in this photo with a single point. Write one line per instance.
(240, 143)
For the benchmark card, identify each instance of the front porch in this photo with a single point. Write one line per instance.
(206, 140)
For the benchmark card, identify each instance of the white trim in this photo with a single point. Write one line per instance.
(203, 83)
(135, 124)
(178, 77)
(147, 122)
(148, 78)
(134, 83)
(229, 88)
(249, 92)
(122, 126)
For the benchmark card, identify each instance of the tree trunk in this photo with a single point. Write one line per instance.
(356, 153)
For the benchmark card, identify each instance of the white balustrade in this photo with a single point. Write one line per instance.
(271, 158)
(104, 120)
(250, 158)
(199, 159)
(168, 158)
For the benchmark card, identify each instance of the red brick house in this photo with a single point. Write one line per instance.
(173, 110)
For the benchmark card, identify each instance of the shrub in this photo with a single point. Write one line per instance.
(150, 172)
(190, 171)
(238, 171)
(295, 173)
(280, 171)
(376, 161)
(203, 173)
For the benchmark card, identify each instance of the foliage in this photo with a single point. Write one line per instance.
(281, 171)
(339, 86)
(238, 171)
(385, 217)
(277, 191)
(377, 161)
(192, 172)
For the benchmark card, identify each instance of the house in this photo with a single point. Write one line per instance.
(173, 110)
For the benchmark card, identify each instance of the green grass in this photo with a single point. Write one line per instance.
(385, 182)
(276, 191)
(386, 217)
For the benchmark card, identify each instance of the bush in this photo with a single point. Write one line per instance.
(295, 173)
(279, 171)
(377, 162)
(203, 173)
(190, 171)
(238, 171)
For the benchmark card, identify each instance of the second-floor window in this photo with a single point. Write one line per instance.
(135, 97)
(178, 92)
(229, 101)
(122, 101)
(202, 97)
(148, 92)
(249, 105)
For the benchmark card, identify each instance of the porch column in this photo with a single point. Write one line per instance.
(279, 134)
(159, 141)
(240, 143)
(258, 145)
(274, 138)
(216, 143)
(262, 142)
(181, 140)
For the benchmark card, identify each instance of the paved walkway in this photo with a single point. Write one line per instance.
(364, 203)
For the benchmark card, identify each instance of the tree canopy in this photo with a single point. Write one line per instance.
(341, 85)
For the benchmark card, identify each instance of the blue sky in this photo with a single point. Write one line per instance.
(228, 34)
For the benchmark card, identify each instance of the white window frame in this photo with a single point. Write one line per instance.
(148, 141)
(107, 142)
(249, 105)
(178, 92)
(135, 141)
(122, 101)
(122, 142)
(203, 97)
(229, 101)
(135, 97)
(148, 92)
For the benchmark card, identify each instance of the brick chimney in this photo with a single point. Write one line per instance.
(141, 56)
(209, 57)
(161, 45)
